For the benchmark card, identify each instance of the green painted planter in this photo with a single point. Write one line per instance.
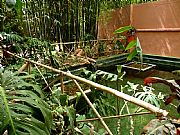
(162, 62)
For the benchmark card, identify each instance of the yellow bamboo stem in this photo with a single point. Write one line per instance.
(69, 43)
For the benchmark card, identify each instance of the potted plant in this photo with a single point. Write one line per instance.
(133, 47)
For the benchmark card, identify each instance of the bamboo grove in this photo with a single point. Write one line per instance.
(56, 20)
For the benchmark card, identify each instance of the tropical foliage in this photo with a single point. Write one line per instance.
(60, 21)
(23, 109)
(33, 102)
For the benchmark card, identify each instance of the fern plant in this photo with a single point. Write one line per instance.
(22, 108)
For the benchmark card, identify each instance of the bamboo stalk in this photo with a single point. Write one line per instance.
(119, 94)
(93, 108)
(117, 116)
(62, 84)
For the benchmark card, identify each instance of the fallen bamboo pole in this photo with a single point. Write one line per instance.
(68, 43)
(117, 116)
(119, 94)
(93, 108)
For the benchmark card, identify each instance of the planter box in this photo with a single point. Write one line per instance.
(134, 69)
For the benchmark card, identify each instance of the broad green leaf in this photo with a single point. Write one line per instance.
(21, 106)
(7, 110)
(131, 45)
(139, 50)
(71, 114)
(30, 128)
(123, 29)
(4, 120)
(132, 55)
(64, 99)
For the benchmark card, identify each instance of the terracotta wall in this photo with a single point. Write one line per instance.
(157, 23)
(160, 43)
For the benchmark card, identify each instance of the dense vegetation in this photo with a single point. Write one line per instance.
(59, 20)
(33, 99)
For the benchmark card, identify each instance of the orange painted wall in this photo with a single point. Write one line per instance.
(157, 15)
(160, 43)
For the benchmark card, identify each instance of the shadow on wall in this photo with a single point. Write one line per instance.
(111, 20)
